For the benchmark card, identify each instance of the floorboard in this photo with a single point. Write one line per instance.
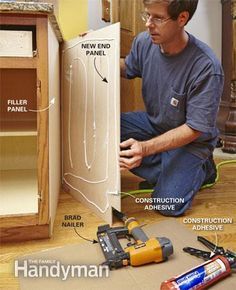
(218, 201)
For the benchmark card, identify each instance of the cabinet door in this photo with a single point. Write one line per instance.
(91, 126)
(128, 14)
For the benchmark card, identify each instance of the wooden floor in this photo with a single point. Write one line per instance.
(218, 201)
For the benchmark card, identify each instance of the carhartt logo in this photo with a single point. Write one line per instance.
(174, 102)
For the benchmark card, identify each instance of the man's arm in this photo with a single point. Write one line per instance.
(172, 139)
(122, 68)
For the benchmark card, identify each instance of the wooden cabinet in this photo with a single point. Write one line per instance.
(30, 133)
(227, 114)
(29, 129)
(128, 13)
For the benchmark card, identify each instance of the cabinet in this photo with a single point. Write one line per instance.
(29, 127)
(31, 112)
(227, 114)
(128, 14)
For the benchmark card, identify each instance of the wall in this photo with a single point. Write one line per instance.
(73, 17)
(95, 15)
(206, 24)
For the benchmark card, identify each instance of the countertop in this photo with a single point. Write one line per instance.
(34, 7)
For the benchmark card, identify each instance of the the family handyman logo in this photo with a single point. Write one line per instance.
(56, 269)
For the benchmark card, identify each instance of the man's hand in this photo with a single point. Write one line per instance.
(132, 154)
(134, 151)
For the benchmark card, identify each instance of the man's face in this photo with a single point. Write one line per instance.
(161, 27)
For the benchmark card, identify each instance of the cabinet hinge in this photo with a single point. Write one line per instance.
(38, 85)
(40, 196)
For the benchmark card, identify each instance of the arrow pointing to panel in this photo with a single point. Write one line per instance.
(103, 79)
(52, 102)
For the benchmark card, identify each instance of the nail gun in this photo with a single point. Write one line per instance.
(142, 251)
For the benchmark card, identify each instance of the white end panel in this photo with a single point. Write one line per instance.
(54, 123)
(91, 119)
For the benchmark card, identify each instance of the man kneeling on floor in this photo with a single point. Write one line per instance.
(171, 144)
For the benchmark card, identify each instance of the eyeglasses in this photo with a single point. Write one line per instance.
(157, 21)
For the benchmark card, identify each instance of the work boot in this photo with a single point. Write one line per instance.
(211, 172)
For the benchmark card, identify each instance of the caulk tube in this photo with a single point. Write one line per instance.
(201, 276)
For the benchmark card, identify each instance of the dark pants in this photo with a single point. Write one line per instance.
(175, 174)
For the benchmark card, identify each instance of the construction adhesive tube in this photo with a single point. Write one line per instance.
(201, 276)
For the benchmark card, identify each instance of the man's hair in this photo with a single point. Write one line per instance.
(175, 7)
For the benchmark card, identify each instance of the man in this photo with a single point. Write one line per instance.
(171, 144)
